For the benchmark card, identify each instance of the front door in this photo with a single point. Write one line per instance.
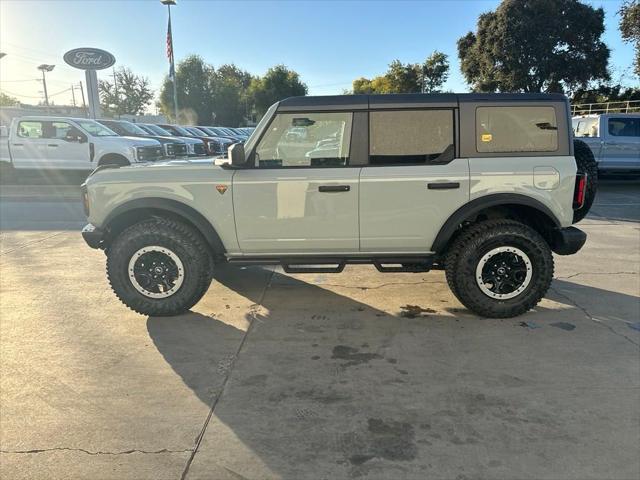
(301, 196)
(68, 147)
(413, 182)
(621, 150)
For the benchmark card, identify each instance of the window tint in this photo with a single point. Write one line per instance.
(306, 140)
(410, 137)
(624, 127)
(516, 129)
(59, 130)
(29, 129)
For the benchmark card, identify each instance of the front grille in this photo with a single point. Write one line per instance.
(179, 149)
(150, 154)
(199, 149)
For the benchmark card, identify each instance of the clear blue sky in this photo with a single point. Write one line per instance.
(329, 43)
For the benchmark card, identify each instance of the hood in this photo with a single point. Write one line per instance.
(190, 140)
(131, 141)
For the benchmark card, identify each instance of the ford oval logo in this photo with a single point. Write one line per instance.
(89, 58)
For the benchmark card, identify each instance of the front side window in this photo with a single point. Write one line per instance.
(306, 140)
(624, 127)
(516, 129)
(60, 130)
(29, 129)
(411, 137)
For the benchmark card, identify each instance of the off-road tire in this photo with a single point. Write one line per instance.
(184, 241)
(476, 240)
(586, 163)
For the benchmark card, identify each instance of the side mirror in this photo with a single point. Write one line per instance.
(236, 155)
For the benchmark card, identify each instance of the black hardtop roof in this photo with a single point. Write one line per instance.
(404, 100)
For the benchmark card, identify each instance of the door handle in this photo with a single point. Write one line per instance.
(52, 145)
(18, 144)
(443, 185)
(334, 188)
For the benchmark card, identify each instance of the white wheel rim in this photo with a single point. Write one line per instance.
(521, 285)
(133, 269)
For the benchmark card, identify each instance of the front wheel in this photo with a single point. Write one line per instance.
(499, 268)
(159, 267)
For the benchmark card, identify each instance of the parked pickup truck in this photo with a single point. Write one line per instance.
(61, 143)
(614, 139)
(484, 186)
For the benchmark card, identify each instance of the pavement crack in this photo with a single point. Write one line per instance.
(596, 273)
(591, 317)
(89, 452)
(33, 242)
(217, 398)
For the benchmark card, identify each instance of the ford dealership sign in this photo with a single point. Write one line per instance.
(89, 58)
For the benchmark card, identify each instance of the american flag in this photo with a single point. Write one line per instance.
(172, 70)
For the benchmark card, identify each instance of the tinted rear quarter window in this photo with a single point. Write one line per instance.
(411, 137)
(624, 127)
(516, 129)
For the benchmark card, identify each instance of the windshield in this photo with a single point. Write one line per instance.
(96, 129)
(181, 131)
(253, 138)
(207, 130)
(195, 131)
(131, 128)
(158, 130)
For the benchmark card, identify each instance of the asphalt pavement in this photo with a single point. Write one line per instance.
(317, 376)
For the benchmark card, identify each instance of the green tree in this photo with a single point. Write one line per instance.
(278, 83)
(435, 72)
(403, 78)
(630, 28)
(7, 100)
(195, 98)
(130, 93)
(534, 46)
(231, 103)
(605, 93)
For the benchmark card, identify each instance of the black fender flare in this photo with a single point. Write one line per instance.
(175, 207)
(477, 205)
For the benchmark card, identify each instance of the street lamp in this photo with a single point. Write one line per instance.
(172, 68)
(45, 68)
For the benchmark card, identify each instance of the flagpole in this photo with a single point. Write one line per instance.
(173, 69)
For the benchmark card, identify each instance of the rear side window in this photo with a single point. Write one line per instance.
(624, 127)
(516, 129)
(410, 137)
(306, 140)
(28, 129)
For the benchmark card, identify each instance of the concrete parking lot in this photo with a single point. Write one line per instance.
(276, 376)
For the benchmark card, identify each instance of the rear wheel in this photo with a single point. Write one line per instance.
(586, 163)
(499, 268)
(159, 267)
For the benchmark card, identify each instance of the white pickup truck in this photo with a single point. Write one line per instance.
(72, 144)
(614, 139)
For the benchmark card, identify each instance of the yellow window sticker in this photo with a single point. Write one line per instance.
(487, 137)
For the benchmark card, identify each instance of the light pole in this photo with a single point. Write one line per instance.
(172, 68)
(45, 68)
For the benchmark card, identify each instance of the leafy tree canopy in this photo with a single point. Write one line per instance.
(630, 28)
(534, 46)
(130, 93)
(7, 100)
(278, 83)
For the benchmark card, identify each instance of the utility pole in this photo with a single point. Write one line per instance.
(115, 86)
(45, 68)
(84, 105)
(73, 94)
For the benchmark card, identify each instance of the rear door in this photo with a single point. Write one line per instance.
(29, 146)
(621, 149)
(413, 182)
(302, 194)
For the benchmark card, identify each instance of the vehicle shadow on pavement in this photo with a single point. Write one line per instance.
(327, 386)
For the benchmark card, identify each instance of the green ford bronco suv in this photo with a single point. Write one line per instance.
(484, 186)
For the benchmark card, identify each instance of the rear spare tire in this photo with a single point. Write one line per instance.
(586, 163)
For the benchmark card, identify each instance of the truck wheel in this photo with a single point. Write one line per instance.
(114, 159)
(159, 267)
(586, 163)
(499, 268)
